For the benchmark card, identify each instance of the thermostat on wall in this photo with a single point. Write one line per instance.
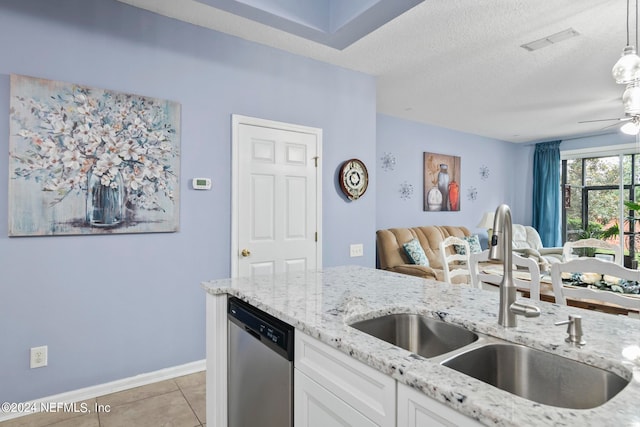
(201, 183)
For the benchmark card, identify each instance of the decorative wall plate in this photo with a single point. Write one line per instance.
(354, 178)
(406, 191)
(484, 172)
(388, 162)
(472, 193)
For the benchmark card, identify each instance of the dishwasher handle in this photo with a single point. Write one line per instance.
(252, 333)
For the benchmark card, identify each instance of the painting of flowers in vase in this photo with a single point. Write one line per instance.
(441, 182)
(91, 161)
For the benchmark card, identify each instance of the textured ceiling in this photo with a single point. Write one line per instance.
(459, 63)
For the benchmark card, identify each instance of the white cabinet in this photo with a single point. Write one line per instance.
(333, 389)
(418, 410)
(315, 406)
(339, 390)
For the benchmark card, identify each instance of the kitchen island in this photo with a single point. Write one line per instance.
(321, 305)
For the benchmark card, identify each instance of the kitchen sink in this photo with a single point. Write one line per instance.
(419, 334)
(538, 376)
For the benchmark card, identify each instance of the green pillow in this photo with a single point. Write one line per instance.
(474, 245)
(415, 252)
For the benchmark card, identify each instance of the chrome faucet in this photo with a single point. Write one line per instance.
(500, 249)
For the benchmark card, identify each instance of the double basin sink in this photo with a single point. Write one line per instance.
(533, 374)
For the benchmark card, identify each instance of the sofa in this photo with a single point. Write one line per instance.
(392, 256)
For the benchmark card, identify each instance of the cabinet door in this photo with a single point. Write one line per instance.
(361, 387)
(416, 409)
(315, 406)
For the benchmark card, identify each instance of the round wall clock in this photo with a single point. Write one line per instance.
(354, 178)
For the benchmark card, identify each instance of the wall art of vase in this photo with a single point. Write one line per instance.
(441, 172)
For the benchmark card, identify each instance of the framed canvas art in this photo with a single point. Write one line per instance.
(441, 182)
(91, 161)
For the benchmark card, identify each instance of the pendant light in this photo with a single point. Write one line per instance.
(631, 99)
(627, 68)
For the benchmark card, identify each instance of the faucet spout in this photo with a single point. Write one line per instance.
(501, 249)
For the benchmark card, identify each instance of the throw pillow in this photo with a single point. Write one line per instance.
(415, 252)
(474, 245)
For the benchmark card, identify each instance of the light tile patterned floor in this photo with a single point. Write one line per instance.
(178, 402)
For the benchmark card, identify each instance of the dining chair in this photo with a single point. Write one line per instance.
(450, 252)
(477, 262)
(604, 270)
(590, 243)
(526, 272)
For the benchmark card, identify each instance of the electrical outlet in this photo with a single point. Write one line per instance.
(356, 250)
(39, 356)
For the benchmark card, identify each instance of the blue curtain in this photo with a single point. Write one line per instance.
(546, 193)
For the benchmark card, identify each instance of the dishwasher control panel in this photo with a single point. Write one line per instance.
(272, 331)
(273, 334)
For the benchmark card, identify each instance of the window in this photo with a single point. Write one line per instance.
(591, 195)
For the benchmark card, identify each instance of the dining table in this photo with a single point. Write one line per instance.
(547, 294)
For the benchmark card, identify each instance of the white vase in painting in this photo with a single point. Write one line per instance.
(434, 199)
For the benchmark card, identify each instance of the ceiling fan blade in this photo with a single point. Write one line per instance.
(620, 119)
(610, 126)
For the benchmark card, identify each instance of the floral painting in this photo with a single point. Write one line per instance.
(91, 161)
(441, 182)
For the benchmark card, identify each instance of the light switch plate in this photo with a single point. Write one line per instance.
(38, 357)
(356, 250)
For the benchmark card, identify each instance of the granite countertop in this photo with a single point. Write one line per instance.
(323, 303)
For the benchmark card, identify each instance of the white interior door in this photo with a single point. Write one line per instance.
(276, 192)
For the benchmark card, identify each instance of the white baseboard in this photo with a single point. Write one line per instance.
(112, 387)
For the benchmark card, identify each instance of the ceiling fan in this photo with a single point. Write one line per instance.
(627, 71)
(631, 127)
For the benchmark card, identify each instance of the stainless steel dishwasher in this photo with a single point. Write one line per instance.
(260, 368)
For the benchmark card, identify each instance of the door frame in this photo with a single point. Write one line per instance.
(238, 120)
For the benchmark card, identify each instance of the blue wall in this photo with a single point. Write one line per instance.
(509, 180)
(115, 306)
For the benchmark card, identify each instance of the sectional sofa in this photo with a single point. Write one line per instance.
(392, 255)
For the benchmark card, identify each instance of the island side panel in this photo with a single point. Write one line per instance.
(216, 394)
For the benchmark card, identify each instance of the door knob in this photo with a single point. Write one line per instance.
(245, 253)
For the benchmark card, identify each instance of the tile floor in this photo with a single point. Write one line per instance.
(178, 402)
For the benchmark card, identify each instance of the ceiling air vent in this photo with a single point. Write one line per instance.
(549, 40)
